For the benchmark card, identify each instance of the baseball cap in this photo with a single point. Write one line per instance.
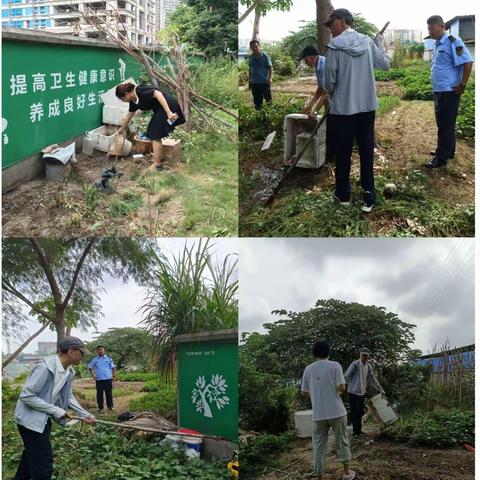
(73, 342)
(308, 51)
(364, 351)
(339, 13)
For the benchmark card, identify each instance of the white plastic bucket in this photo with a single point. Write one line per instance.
(193, 443)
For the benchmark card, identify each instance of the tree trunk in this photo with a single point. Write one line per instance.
(256, 26)
(24, 345)
(247, 12)
(60, 326)
(324, 9)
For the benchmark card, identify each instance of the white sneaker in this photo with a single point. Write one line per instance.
(351, 476)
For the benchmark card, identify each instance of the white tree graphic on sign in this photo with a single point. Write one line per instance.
(212, 393)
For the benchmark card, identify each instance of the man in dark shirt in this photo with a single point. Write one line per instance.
(259, 74)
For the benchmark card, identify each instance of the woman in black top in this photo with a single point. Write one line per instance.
(167, 113)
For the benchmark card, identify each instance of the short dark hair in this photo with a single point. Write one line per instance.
(321, 349)
(124, 88)
(435, 20)
(100, 346)
(254, 41)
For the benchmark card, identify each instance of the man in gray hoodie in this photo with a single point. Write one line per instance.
(47, 393)
(350, 80)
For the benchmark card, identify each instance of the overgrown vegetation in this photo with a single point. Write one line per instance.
(438, 428)
(103, 454)
(260, 450)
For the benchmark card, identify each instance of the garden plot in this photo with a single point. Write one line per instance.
(378, 459)
(427, 203)
(184, 199)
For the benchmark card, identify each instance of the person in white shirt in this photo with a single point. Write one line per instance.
(323, 383)
(359, 377)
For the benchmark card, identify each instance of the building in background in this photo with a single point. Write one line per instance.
(139, 17)
(164, 9)
(402, 36)
(47, 348)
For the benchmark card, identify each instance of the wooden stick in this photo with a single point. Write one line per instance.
(152, 430)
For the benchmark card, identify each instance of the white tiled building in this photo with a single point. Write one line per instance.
(138, 16)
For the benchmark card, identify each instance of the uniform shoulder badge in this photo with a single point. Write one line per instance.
(451, 38)
(459, 50)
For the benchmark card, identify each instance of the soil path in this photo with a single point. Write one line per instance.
(378, 460)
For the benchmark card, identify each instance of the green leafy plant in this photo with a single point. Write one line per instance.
(440, 428)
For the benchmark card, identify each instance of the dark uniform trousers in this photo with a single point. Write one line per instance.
(37, 457)
(261, 91)
(344, 130)
(104, 386)
(357, 408)
(446, 111)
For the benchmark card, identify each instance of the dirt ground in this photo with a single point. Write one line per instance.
(85, 387)
(375, 459)
(43, 208)
(404, 135)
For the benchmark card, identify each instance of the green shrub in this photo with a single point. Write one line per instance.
(260, 450)
(265, 403)
(406, 385)
(441, 428)
(163, 402)
(151, 386)
(392, 74)
(10, 393)
(387, 103)
(136, 376)
(243, 73)
(466, 113)
(217, 80)
(257, 124)
(417, 84)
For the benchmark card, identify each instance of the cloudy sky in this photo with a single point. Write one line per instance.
(427, 282)
(120, 301)
(411, 14)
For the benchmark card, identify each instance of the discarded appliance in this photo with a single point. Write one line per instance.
(56, 162)
(381, 410)
(297, 128)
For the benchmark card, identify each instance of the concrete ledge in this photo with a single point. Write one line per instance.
(31, 167)
(218, 449)
(215, 335)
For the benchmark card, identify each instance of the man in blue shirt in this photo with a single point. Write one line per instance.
(102, 369)
(451, 69)
(259, 74)
(313, 59)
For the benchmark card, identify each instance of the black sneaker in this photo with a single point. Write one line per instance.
(433, 153)
(344, 202)
(368, 202)
(435, 162)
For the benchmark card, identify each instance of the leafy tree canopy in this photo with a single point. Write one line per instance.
(286, 347)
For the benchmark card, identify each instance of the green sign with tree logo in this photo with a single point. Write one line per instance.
(207, 379)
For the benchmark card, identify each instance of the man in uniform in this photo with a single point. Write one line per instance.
(102, 369)
(259, 74)
(313, 59)
(451, 69)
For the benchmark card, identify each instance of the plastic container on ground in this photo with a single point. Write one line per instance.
(104, 137)
(303, 423)
(381, 410)
(193, 446)
(296, 128)
(113, 115)
(88, 144)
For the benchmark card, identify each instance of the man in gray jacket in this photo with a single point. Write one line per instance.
(350, 80)
(359, 376)
(47, 393)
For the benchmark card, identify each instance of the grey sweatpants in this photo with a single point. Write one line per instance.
(320, 439)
